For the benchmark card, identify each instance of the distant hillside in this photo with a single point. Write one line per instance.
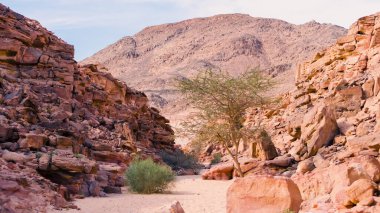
(150, 59)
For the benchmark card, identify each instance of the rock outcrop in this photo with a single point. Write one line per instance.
(66, 131)
(152, 58)
(329, 124)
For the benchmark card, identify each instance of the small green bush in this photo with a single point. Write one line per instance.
(216, 158)
(145, 176)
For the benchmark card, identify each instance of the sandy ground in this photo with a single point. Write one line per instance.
(194, 194)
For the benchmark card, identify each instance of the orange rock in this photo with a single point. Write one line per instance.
(219, 172)
(263, 194)
(361, 192)
(33, 141)
(318, 128)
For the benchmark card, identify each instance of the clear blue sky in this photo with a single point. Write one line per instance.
(93, 24)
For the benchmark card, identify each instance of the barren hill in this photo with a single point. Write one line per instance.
(150, 59)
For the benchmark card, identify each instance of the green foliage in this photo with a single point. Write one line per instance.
(216, 158)
(177, 160)
(38, 155)
(289, 211)
(219, 94)
(145, 176)
(77, 155)
(221, 101)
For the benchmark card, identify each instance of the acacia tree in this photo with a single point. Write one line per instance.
(221, 101)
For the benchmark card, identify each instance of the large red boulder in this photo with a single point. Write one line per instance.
(263, 194)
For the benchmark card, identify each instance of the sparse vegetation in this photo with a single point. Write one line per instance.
(179, 160)
(146, 176)
(38, 155)
(77, 155)
(216, 158)
(222, 100)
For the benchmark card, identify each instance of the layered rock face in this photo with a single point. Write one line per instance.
(329, 126)
(65, 130)
(152, 58)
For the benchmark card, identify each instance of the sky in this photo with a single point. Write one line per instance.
(91, 25)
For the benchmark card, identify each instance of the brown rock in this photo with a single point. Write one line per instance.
(348, 101)
(73, 164)
(14, 157)
(111, 157)
(282, 161)
(319, 128)
(356, 172)
(263, 194)
(262, 147)
(368, 88)
(305, 166)
(219, 172)
(176, 208)
(64, 142)
(371, 166)
(33, 141)
(361, 192)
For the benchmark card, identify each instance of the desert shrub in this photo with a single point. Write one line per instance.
(179, 160)
(221, 101)
(146, 176)
(216, 158)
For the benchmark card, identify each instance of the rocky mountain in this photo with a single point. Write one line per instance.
(150, 59)
(66, 131)
(326, 131)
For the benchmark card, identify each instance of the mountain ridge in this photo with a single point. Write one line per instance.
(153, 57)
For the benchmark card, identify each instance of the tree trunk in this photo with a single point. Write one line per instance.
(236, 161)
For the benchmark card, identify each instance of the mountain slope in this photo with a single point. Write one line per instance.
(235, 42)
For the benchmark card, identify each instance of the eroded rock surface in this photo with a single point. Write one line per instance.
(66, 131)
(328, 127)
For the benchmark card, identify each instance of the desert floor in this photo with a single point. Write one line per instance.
(194, 194)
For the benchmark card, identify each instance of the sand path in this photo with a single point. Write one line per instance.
(194, 194)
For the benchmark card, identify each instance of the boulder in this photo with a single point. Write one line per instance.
(305, 166)
(318, 128)
(282, 161)
(33, 141)
(73, 164)
(13, 157)
(263, 194)
(262, 147)
(219, 172)
(360, 192)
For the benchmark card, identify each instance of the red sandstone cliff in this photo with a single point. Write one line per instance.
(65, 130)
